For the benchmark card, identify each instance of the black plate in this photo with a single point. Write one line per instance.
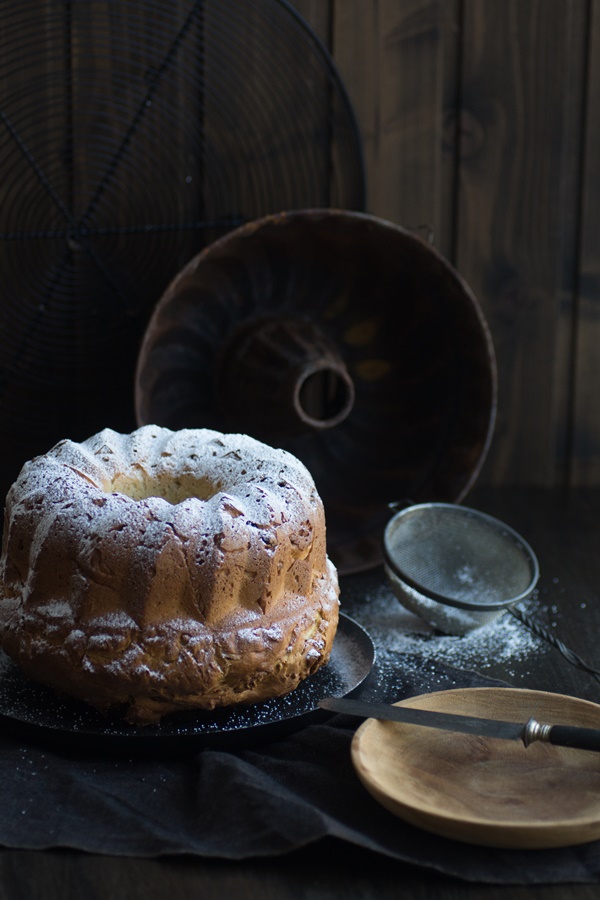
(43, 715)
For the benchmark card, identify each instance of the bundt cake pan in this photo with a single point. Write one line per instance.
(343, 338)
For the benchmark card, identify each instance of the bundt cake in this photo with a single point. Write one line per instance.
(166, 570)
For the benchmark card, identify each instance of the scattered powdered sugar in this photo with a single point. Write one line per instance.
(503, 645)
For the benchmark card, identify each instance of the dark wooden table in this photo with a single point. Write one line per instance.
(564, 530)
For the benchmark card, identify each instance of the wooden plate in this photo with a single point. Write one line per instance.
(486, 790)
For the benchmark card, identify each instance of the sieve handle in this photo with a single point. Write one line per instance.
(546, 635)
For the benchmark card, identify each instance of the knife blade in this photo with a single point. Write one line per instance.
(528, 732)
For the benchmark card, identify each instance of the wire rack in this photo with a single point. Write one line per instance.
(132, 134)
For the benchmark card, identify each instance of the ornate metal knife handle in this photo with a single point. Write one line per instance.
(535, 731)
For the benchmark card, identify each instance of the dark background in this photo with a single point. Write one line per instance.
(480, 120)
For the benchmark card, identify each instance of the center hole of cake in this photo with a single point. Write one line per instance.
(325, 397)
(174, 489)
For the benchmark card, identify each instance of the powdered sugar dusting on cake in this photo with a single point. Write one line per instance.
(191, 526)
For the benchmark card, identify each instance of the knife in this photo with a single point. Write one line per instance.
(528, 732)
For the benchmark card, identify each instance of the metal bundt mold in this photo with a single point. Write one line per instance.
(345, 339)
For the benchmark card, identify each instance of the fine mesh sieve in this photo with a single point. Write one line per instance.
(459, 569)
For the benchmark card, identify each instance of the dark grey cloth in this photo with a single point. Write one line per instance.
(258, 800)
(246, 802)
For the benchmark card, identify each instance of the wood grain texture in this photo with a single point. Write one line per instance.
(451, 135)
(473, 115)
(329, 870)
(481, 790)
(317, 14)
(586, 413)
(520, 70)
(390, 55)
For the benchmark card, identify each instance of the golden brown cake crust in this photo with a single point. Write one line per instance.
(163, 570)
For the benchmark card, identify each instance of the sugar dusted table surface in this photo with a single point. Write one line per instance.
(564, 531)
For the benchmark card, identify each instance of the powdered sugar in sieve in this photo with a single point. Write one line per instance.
(458, 569)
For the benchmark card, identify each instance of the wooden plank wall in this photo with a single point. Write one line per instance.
(480, 121)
